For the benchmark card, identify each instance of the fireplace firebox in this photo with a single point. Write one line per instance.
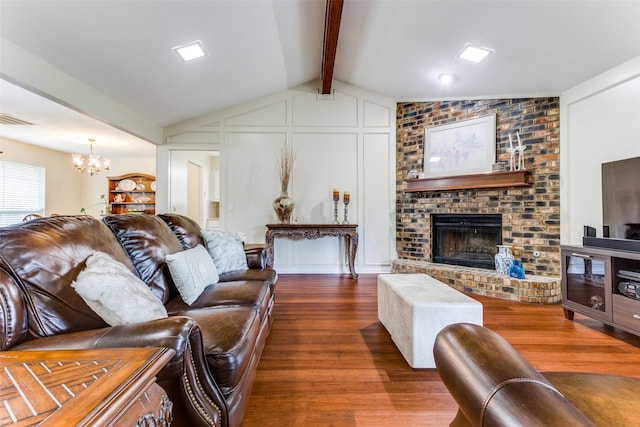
(466, 239)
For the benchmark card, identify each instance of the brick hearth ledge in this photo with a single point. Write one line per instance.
(479, 281)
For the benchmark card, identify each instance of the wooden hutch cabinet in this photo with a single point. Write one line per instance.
(132, 193)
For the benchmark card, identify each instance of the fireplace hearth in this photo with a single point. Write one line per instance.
(466, 239)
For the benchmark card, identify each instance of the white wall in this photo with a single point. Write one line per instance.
(599, 122)
(66, 190)
(345, 140)
(63, 189)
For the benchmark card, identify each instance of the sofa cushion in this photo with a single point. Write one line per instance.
(603, 399)
(147, 240)
(44, 256)
(115, 293)
(249, 293)
(192, 270)
(186, 230)
(229, 335)
(226, 250)
(268, 275)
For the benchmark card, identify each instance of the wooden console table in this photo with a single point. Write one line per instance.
(84, 387)
(314, 231)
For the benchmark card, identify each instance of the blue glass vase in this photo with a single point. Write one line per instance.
(516, 270)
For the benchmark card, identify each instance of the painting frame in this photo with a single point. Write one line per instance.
(462, 148)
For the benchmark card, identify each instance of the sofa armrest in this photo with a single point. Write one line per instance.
(256, 255)
(494, 385)
(172, 332)
(201, 396)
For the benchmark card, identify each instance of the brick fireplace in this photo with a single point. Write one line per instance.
(530, 216)
(466, 239)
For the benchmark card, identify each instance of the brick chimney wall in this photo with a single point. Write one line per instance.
(530, 215)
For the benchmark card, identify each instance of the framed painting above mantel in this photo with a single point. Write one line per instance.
(460, 148)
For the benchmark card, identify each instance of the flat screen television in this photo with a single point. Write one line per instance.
(621, 199)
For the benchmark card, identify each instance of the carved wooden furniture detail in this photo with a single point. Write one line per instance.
(314, 231)
(84, 387)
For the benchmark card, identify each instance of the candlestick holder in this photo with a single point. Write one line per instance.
(336, 199)
(346, 211)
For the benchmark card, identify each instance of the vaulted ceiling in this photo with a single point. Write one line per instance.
(122, 50)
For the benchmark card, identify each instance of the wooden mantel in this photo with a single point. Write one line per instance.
(465, 182)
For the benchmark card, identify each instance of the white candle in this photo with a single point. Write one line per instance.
(510, 142)
(519, 142)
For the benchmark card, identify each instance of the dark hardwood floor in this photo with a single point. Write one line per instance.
(329, 362)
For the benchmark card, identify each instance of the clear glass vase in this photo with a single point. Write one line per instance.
(504, 259)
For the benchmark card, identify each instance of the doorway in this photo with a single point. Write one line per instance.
(194, 185)
(195, 195)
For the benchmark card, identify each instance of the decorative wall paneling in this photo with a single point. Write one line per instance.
(344, 140)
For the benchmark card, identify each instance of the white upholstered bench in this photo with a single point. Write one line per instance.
(415, 307)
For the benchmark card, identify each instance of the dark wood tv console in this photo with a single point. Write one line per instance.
(601, 283)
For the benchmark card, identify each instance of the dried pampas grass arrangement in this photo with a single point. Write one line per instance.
(285, 166)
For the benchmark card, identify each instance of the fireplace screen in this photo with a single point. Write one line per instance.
(466, 239)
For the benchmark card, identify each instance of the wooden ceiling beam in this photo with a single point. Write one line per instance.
(332, 18)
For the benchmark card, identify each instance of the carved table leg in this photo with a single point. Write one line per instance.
(353, 247)
(268, 238)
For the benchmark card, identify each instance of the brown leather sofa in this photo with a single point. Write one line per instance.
(495, 386)
(218, 339)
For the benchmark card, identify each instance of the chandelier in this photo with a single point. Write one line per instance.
(93, 163)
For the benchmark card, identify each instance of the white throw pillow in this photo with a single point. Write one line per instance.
(111, 290)
(192, 270)
(226, 250)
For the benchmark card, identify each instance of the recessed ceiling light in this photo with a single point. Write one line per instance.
(475, 54)
(190, 51)
(445, 79)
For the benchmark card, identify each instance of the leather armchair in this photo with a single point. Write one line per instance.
(495, 386)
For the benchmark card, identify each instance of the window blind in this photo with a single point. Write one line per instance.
(21, 191)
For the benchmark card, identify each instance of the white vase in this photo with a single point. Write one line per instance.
(504, 259)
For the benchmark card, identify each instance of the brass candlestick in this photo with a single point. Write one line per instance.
(336, 199)
(346, 208)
